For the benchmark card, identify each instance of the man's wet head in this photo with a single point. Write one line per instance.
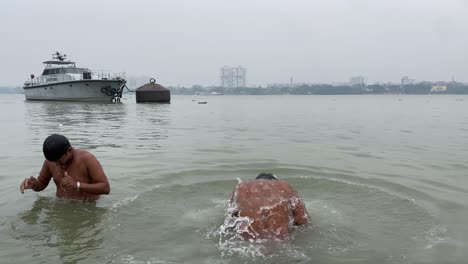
(266, 176)
(57, 149)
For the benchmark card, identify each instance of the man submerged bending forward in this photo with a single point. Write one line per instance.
(76, 172)
(265, 208)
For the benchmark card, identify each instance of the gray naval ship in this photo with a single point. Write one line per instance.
(61, 80)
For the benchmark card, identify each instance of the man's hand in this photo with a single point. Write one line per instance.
(68, 182)
(28, 183)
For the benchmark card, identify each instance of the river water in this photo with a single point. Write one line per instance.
(384, 178)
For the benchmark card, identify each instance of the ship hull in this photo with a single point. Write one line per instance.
(81, 90)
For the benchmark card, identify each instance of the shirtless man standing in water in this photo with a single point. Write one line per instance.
(265, 208)
(76, 173)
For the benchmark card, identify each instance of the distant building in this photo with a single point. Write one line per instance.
(357, 80)
(439, 88)
(405, 80)
(232, 77)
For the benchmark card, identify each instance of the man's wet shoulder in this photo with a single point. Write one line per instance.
(84, 154)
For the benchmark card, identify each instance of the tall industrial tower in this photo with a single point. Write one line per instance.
(232, 77)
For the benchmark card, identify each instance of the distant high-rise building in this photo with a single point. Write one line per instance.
(232, 77)
(357, 80)
(405, 80)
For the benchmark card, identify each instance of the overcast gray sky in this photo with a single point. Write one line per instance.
(185, 42)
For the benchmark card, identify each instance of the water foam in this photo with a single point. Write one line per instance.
(125, 201)
(230, 235)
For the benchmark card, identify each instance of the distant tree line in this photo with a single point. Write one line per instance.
(314, 89)
(327, 89)
(9, 90)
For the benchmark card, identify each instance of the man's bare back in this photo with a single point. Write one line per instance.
(266, 209)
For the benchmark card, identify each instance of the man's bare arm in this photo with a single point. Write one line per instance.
(301, 216)
(40, 183)
(100, 184)
(44, 177)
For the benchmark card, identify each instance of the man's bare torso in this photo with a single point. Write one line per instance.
(77, 169)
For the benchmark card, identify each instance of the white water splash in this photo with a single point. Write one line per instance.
(125, 201)
(231, 233)
(436, 235)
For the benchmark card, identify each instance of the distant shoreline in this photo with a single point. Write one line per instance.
(313, 89)
(326, 89)
(10, 90)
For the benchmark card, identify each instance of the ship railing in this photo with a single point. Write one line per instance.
(41, 80)
(34, 81)
(100, 75)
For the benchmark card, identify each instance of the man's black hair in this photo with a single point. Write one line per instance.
(266, 176)
(55, 146)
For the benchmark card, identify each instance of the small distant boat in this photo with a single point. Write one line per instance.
(61, 80)
(203, 102)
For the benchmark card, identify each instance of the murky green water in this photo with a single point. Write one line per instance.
(384, 178)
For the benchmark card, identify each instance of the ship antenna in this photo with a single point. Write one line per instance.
(58, 56)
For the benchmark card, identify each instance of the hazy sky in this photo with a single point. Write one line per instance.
(186, 41)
